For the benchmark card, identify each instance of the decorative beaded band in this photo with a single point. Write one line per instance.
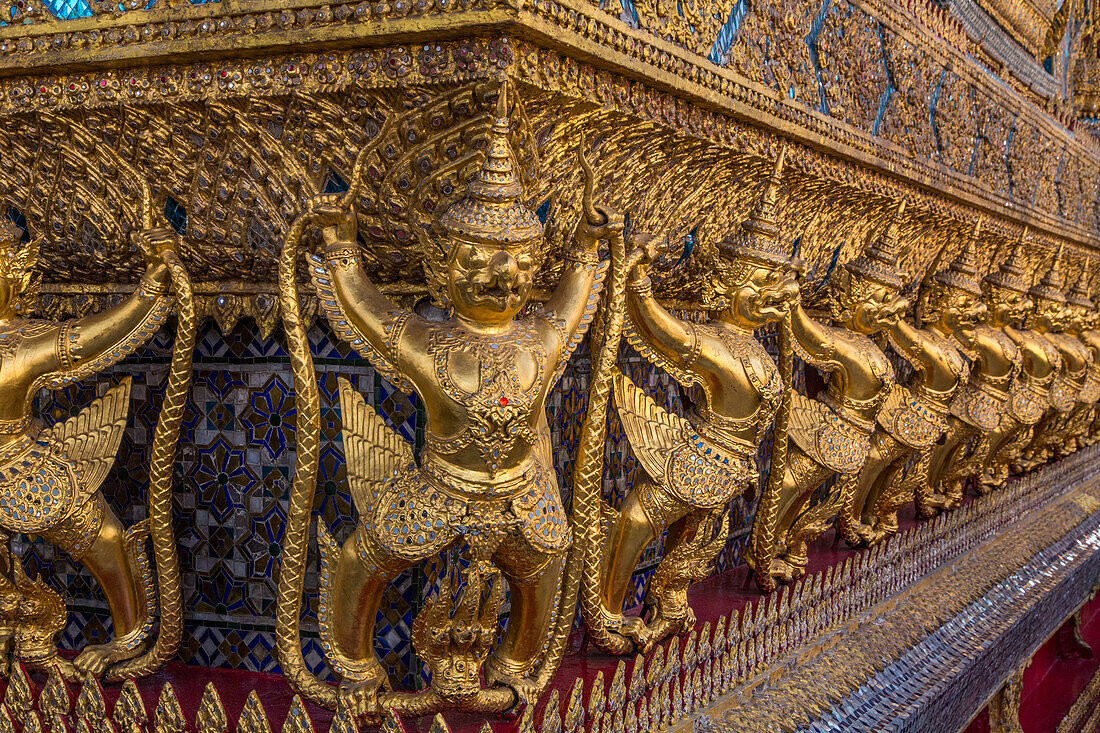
(65, 340)
(152, 289)
(18, 425)
(558, 325)
(394, 334)
(343, 255)
(642, 287)
(582, 256)
(694, 347)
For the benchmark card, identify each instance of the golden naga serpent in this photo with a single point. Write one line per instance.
(587, 495)
(165, 441)
(586, 491)
(768, 507)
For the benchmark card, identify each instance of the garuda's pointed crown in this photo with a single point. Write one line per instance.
(759, 238)
(962, 273)
(1052, 285)
(1078, 294)
(879, 262)
(1010, 274)
(492, 211)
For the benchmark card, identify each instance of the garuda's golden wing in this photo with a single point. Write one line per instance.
(684, 377)
(90, 439)
(374, 451)
(653, 431)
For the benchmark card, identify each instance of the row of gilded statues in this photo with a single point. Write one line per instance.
(1004, 376)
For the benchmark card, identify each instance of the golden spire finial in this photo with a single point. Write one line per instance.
(492, 210)
(962, 273)
(1010, 274)
(879, 262)
(1051, 285)
(759, 240)
(1078, 293)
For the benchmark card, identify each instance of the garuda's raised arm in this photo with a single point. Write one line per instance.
(83, 346)
(368, 319)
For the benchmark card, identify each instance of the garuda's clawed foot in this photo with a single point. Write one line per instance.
(882, 529)
(96, 659)
(638, 632)
(360, 696)
(668, 616)
(523, 686)
(783, 572)
(859, 535)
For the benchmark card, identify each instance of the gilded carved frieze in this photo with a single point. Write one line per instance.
(852, 67)
(769, 49)
(914, 77)
(953, 121)
(806, 53)
(1024, 20)
(459, 208)
(994, 128)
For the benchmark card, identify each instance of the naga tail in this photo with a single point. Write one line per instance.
(291, 585)
(165, 441)
(587, 499)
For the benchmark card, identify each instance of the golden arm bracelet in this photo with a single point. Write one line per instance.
(66, 340)
(152, 289)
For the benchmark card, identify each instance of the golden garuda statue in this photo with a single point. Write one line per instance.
(1063, 434)
(914, 417)
(1032, 393)
(1091, 336)
(697, 464)
(979, 406)
(485, 479)
(50, 477)
(1069, 380)
(831, 435)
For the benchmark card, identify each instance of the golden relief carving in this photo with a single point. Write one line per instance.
(915, 417)
(51, 476)
(981, 404)
(445, 169)
(1033, 393)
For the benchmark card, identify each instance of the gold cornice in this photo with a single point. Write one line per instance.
(572, 28)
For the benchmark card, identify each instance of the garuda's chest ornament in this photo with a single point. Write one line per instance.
(500, 405)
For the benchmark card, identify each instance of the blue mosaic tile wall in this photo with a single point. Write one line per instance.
(233, 476)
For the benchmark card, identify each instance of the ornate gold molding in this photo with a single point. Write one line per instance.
(171, 55)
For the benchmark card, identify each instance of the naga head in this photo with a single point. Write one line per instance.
(953, 297)
(1081, 310)
(455, 637)
(1005, 290)
(17, 262)
(755, 275)
(35, 611)
(1050, 301)
(867, 295)
(484, 259)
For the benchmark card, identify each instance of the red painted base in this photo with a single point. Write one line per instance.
(1058, 672)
